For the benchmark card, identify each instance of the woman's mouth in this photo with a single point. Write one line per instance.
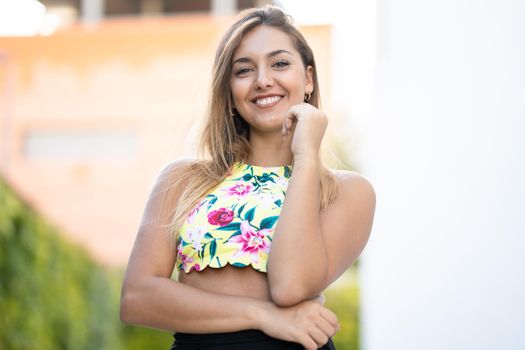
(267, 101)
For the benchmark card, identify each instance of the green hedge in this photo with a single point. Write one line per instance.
(53, 296)
(343, 299)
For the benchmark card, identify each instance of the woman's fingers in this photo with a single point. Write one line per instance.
(318, 336)
(308, 323)
(330, 317)
(321, 322)
(329, 329)
(289, 119)
(308, 125)
(308, 342)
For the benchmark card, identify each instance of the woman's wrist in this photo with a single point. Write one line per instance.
(258, 313)
(308, 159)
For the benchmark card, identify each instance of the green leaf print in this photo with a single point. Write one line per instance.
(234, 226)
(247, 177)
(268, 222)
(287, 172)
(213, 249)
(208, 235)
(241, 209)
(212, 200)
(238, 264)
(235, 234)
(266, 177)
(249, 214)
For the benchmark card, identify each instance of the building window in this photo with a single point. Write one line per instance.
(170, 6)
(122, 7)
(80, 145)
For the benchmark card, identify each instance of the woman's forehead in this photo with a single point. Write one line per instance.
(264, 40)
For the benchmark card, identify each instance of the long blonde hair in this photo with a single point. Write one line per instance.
(225, 138)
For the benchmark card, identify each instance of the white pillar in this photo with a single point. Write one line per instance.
(92, 11)
(444, 268)
(223, 7)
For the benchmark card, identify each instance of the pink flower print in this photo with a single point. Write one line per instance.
(184, 259)
(195, 235)
(221, 217)
(252, 241)
(240, 189)
(195, 267)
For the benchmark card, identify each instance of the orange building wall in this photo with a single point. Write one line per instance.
(145, 77)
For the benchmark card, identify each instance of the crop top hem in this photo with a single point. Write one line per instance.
(237, 264)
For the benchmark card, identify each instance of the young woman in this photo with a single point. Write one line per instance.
(260, 228)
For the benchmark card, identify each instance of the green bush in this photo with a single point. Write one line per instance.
(343, 298)
(52, 295)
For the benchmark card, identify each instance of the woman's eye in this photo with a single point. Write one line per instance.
(281, 64)
(242, 71)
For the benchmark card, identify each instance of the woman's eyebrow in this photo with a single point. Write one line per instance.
(269, 54)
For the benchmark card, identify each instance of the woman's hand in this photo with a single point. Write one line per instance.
(307, 323)
(307, 124)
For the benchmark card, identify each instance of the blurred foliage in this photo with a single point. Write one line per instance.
(342, 298)
(53, 296)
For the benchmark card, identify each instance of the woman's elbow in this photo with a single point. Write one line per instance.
(287, 296)
(131, 304)
(126, 308)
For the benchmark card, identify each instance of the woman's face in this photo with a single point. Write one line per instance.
(268, 77)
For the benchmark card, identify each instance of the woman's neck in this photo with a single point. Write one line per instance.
(270, 149)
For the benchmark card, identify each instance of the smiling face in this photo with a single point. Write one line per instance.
(268, 77)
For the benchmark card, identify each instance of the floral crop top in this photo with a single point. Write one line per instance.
(234, 223)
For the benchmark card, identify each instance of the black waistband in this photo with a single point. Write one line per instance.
(245, 336)
(251, 336)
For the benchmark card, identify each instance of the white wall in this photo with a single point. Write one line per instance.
(444, 147)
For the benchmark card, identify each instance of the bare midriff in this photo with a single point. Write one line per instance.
(229, 280)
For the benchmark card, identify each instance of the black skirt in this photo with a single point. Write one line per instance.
(242, 340)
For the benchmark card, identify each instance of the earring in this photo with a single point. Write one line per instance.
(307, 96)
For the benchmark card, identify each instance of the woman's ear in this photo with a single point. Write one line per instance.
(309, 79)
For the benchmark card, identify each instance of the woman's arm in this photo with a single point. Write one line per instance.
(298, 258)
(311, 249)
(151, 298)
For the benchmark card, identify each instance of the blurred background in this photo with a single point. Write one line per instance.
(425, 98)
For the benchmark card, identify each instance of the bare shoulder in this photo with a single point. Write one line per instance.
(355, 200)
(176, 166)
(354, 187)
(165, 191)
(172, 171)
(180, 163)
(347, 222)
(154, 252)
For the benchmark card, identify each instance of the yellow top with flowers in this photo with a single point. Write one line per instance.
(234, 223)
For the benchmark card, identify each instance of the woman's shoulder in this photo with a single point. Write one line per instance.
(178, 165)
(174, 171)
(354, 185)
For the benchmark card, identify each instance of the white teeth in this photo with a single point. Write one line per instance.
(267, 100)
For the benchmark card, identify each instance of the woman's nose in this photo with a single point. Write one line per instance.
(264, 79)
